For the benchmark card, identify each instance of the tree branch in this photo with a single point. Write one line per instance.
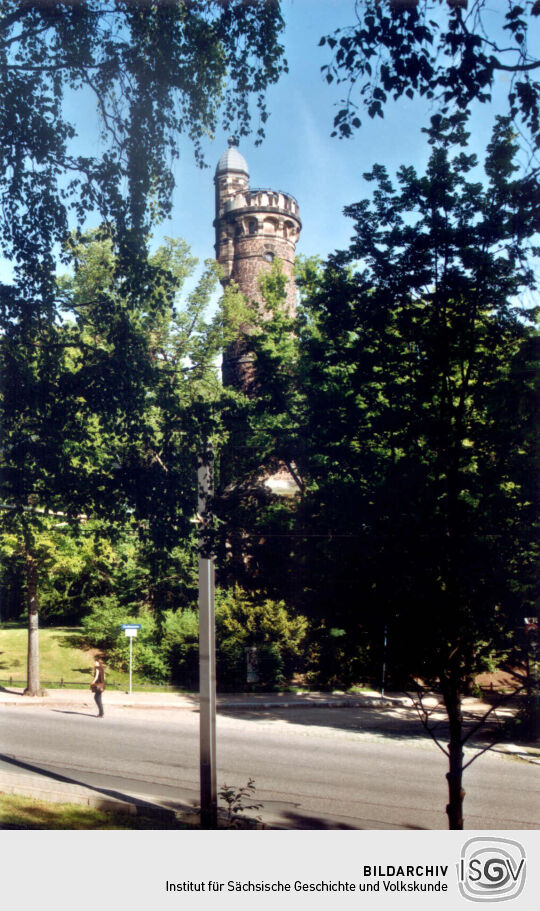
(16, 16)
(424, 715)
(517, 68)
(491, 709)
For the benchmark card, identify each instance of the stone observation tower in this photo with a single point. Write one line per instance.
(253, 228)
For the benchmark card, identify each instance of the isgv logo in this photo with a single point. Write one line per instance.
(491, 869)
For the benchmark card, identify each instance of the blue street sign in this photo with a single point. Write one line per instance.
(131, 626)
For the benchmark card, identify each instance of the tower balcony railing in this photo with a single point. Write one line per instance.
(271, 192)
(278, 199)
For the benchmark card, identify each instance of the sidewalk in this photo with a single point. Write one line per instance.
(61, 697)
(55, 788)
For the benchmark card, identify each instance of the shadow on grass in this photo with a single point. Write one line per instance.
(70, 638)
(144, 807)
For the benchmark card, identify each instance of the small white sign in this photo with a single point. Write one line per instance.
(131, 632)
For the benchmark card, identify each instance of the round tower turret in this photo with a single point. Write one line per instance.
(254, 227)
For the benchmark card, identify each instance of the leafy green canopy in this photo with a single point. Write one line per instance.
(79, 395)
(157, 71)
(419, 379)
(263, 431)
(90, 411)
(98, 466)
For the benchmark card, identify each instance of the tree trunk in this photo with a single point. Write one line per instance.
(32, 680)
(454, 777)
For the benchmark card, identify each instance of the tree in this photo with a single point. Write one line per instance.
(112, 429)
(149, 384)
(156, 71)
(42, 441)
(38, 541)
(262, 429)
(418, 370)
(450, 51)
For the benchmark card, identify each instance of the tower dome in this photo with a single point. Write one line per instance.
(232, 160)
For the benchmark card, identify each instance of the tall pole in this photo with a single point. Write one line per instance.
(536, 703)
(383, 676)
(130, 660)
(207, 646)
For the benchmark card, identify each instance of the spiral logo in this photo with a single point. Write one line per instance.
(496, 873)
(491, 869)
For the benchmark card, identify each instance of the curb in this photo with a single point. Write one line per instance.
(528, 754)
(133, 805)
(323, 704)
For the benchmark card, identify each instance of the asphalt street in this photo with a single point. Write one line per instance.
(313, 768)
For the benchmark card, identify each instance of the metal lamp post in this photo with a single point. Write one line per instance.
(207, 647)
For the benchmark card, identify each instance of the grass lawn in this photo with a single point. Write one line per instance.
(25, 813)
(60, 658)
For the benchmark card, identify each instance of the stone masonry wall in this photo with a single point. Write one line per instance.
(254, 227)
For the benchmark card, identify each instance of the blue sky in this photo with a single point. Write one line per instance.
(298, 154)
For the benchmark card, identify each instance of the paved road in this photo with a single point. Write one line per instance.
(315, 768)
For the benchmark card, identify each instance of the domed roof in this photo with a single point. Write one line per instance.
(232, 160)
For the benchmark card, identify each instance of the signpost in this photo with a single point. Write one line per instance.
(131, 630)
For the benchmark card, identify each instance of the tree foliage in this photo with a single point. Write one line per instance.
(451, 52)
(420, 381)
(156, 72)
(263, 430)
(102, 458)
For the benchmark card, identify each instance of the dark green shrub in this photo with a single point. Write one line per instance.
(338, 659)
(180, 646)
(101, 628)
(147, 661)
(244, 620)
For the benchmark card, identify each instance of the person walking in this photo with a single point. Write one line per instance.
(98, 685)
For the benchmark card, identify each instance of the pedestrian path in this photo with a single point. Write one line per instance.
(141, 699)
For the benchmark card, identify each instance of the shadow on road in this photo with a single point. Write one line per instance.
(66, 712)
(292, 820)
(384, 723)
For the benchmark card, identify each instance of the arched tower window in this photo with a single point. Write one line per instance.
(253, 226)
(288, 229)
